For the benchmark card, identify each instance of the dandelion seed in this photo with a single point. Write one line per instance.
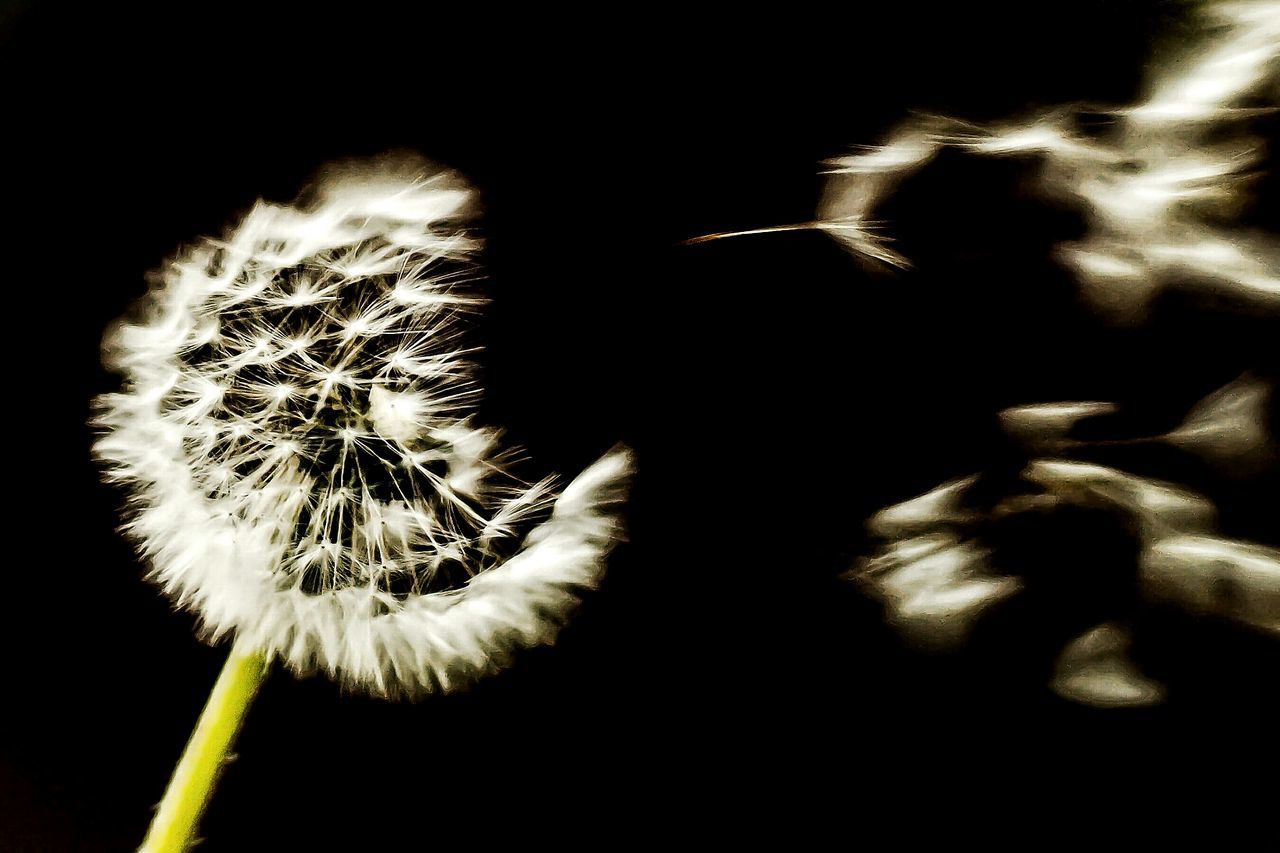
(1229, 426)
(936, 581)
(1159, 186)
(1156, 187)
(1048, 425)
(938, 506)
(1217, 576)
(933, 582)
(1159, 507)
(1095, 669)
(935, 587)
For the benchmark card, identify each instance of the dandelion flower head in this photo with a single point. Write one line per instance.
(297, 433)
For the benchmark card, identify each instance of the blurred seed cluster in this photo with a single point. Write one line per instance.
(1160, 187)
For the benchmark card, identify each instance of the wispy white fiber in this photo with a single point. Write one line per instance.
(297, 438)
(1159, 186)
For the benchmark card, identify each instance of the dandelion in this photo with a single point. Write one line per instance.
(297, 437)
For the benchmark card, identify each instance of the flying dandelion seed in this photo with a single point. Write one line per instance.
(297, 435)
(936, 578)
(1228, 428)
(1048, 425)
(1154, 506)
(1217, 576)
(1095, 669)
(935, 586)
(1158, 186)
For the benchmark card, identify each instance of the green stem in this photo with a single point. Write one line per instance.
(174, 826)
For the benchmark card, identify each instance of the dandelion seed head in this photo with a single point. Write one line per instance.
(297, 429)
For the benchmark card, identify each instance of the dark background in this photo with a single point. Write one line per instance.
(725, 686)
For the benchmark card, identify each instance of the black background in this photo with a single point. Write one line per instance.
(725, 686)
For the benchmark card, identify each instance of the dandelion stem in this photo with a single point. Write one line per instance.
(174, 826)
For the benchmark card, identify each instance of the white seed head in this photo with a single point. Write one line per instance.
(296, 431)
